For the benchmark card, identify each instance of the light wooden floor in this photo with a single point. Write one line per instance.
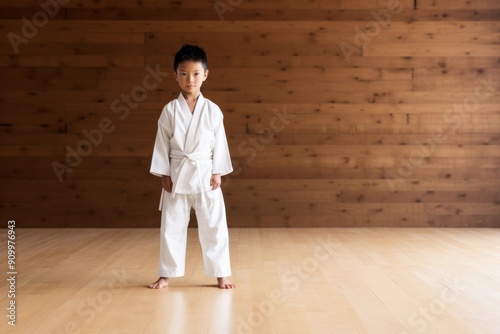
(343, 280)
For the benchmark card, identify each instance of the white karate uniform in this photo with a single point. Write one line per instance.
(190, 148)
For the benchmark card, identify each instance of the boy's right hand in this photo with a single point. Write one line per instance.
(167, 183)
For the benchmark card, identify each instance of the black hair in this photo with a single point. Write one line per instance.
(192, 53)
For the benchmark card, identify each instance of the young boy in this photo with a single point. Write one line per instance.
(191, 154)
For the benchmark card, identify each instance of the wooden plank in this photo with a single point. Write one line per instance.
(443, 124)
(266, 160)
(318, 151)
(428, 186)
(60, 49)
(341, 109)
(417, 174)
(41, 217)
(449, 4)
(42, 73)
(91, 168)
(73, 191)
(21, 167)
(452, 79)
(82, 38)
(41, 148)
(372, 209)
(248, 41)
(339, 195)
(393, 36)
(378, 4)
(43, 128)
(296, 137)
(71, 61)
(269, 14)
(15, 12)
(50, 84)
(344, 220)
(112, 3)
(324, 95)
(247, 26)
(430, 49)
(454, 14)
(283, 118)
(156, 4)
(443, 26)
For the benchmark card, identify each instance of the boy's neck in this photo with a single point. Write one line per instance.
(191, 96)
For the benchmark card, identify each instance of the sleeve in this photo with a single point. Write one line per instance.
(160, 162)
(221, 157)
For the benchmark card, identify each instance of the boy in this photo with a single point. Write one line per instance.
(191, 154)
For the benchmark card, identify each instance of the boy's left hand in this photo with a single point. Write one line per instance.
(215, 181)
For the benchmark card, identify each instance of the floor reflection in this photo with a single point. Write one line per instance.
(222, 314)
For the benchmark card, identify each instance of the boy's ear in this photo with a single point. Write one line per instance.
(175, 76)
(206, 75)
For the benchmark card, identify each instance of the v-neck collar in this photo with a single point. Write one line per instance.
(197, 106)
(194, 120)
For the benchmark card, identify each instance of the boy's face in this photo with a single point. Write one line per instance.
(190, 76)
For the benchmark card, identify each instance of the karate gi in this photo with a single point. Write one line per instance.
(190, 148)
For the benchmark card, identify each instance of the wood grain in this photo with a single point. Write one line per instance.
(402, 132)
(318, 280)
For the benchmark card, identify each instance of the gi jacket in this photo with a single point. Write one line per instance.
(190, 147)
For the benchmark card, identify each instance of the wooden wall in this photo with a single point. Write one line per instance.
(338, 112)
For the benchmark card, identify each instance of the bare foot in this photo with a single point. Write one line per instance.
(224, 283)
(160, 283)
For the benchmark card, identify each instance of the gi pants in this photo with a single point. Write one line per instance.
(212, 232)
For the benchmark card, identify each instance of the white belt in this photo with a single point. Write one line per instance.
(195, 157)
